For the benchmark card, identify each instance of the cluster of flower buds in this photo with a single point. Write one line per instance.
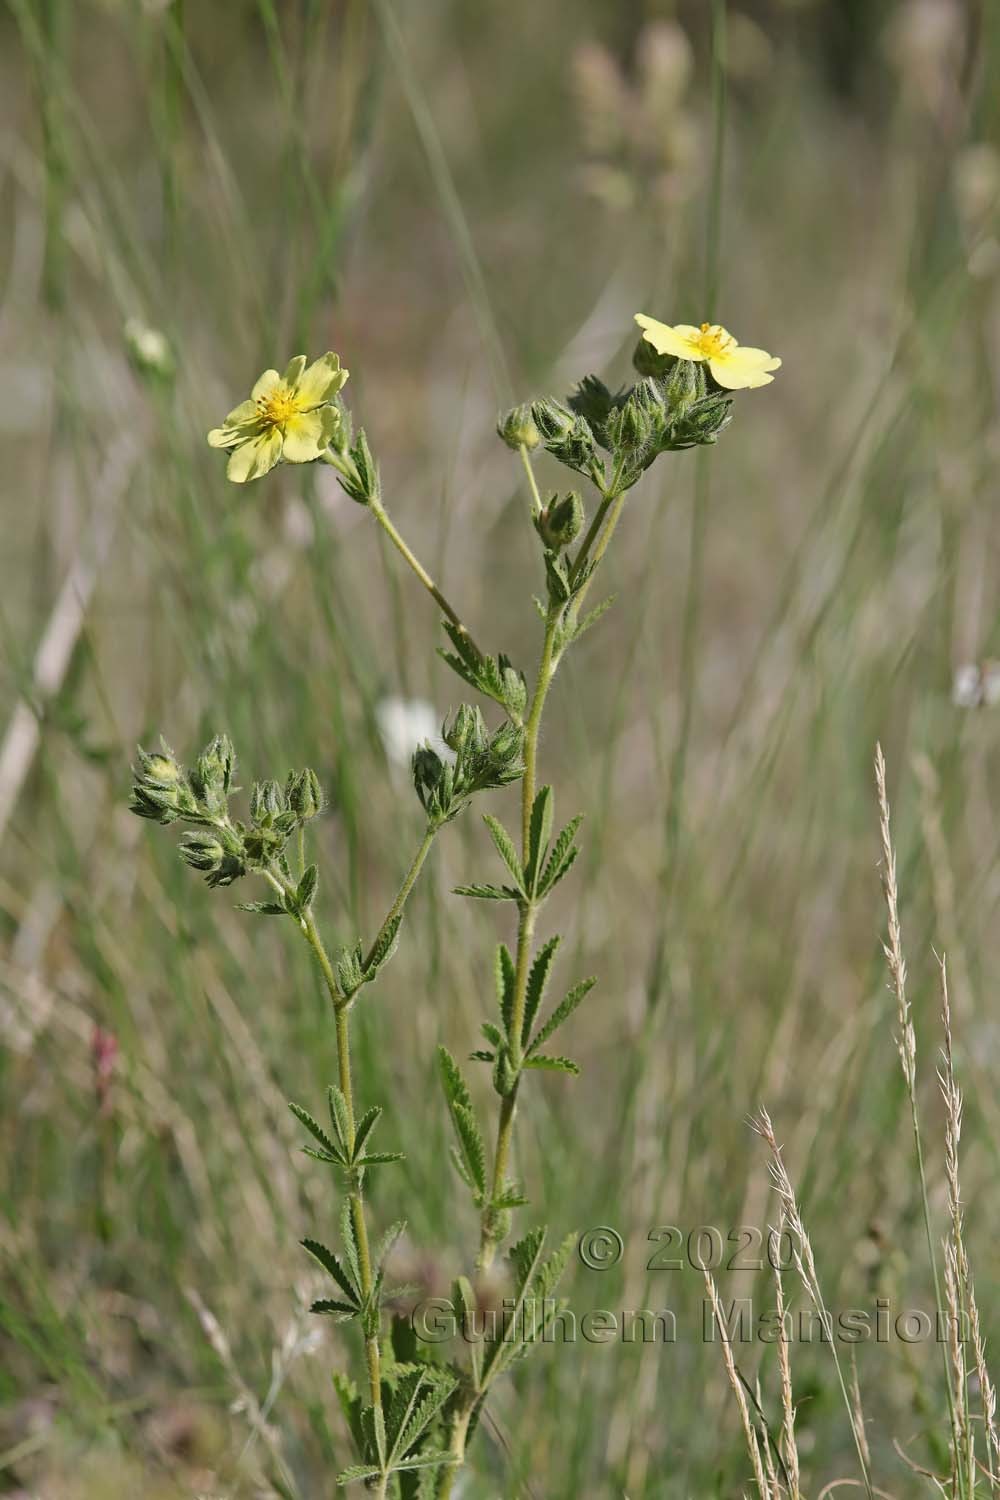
(221, 848)
(482, 761)
(670, 409)
(567, 435)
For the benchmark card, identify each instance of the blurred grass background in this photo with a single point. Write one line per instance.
(469, 203)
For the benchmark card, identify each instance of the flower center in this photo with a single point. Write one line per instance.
(278, 405)
(713, 340)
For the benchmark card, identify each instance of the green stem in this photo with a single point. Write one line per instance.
(404, 891)
(527, 916)
(341, 1013)
(405, 551)
(536, 499)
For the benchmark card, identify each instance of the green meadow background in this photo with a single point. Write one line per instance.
(469, 202)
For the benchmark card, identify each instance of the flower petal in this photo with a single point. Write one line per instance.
(679, 341)
(743, 354)
(265, 385)
(294, 370)
(254, 457)
(225, 437)
(733, 376)
(322, 380)
(304, 437)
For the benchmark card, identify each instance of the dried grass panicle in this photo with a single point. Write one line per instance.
(906, 1041)
(789, 1447)
(963, 1306)
(749, 1431)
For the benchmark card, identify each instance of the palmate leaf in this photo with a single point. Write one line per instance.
(538, 979)
(494, 676)
(536, 1277)
(505, 848)
(417, 1400)
(562, 1012)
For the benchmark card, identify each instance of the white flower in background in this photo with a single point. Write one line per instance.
(405, 723)
(976, 685)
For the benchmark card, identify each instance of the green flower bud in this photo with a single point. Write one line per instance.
(554, 421)
(212, 777)
(518, 430)
(560, 520)
(683, 385)
(648, 362)
(466, 732)
(161, 792)
(202, 851)
(267, 800)
(358, 471)
(434, 781)
(304, 795)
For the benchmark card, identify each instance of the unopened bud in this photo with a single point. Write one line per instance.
(518, 430)
(560, 520)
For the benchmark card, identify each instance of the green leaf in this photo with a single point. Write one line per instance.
(563, 854)
(505, 848)
(538, 980)
(306, 888)
(416, 1401)
(340, 1117)
(351, 1246)
(385, 947)
(454, 1084)
(473, 1150)
(540, 828)
(331, 1264)
(564, 1009)
(387, 1241)
(506, 979)
(378, 1158)
(487, 892)
(357, 1471)
(493, 1033)
(343, 1310)
(365, 1126)
(263, 908)
(315, 1129)
(553, 1064)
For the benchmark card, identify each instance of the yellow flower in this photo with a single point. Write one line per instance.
(287, 417)
(733, 365)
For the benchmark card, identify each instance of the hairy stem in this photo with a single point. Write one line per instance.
(406, 551)
(403, 893)
(341, 1012)
(525, 935)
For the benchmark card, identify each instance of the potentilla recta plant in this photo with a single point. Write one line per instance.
(412, 1413)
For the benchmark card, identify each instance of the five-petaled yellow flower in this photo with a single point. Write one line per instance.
(733, 365)
(287, 417)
